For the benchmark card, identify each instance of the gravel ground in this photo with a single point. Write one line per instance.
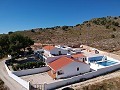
(100, 78)
(96, 80)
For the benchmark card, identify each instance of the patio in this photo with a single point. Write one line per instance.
(39, 78)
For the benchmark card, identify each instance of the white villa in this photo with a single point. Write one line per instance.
(67, 67)
(57, 50)
(64, 65)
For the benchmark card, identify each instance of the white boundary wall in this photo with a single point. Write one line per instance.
(15, 74)
(79, 77)
(31, 71)
(18, 79)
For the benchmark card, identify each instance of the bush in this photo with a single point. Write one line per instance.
(32, 30)
(28, 65)
(115, 23)
(114, 29)
(21, 66)
(65, 27)
(78, 25)
(14, 68)
(107, 27)
(112, 36)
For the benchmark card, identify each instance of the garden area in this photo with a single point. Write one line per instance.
(28, 65)
(21, 55)
(25, 63)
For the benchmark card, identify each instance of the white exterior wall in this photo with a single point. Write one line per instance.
(71, 69)
(18, 79)
(56, 51)
(47, 53)
(31, 71)
(81, 58)
(77, 78)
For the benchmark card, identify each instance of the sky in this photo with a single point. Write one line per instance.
(28, 14)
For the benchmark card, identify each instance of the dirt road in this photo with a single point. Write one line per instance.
(11, 83)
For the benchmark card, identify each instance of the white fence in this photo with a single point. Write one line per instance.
(18, 79)
(31, 71)
(15, 74)
(78, 78)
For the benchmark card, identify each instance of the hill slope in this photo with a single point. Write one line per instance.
(102, 33)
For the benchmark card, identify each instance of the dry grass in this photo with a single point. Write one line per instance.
(110, 84)
(96, 35)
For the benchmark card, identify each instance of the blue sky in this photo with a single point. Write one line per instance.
(27, 14)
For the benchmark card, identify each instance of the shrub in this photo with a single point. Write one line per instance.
(65, 27)
(21, 66)
(114, 29)
(24, 66)
(112, 36)
(32, 30)
(115, 23)
(103, 22)
(107, 27)
(115, 18)
(78, 25)
(28, 65)
(14, 68)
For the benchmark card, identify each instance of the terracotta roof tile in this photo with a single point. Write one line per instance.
(61, 62)
(78, 55)
(49, 47)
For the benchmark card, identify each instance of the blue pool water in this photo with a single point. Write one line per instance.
(107, 63)
(97, 58)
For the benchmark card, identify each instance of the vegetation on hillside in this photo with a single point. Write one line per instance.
(102, 33)
(111, 84)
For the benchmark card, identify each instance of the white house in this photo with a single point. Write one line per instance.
(66, 67)
(56, 50)
(80, 57)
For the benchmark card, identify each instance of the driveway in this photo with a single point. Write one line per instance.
(39, 78)
(11, 83)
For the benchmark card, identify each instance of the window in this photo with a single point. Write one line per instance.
(77, 68)
(60, 72)
(68, 51)
(59, 52)
(84, 59)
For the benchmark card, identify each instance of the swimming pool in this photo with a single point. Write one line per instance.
(107, 63)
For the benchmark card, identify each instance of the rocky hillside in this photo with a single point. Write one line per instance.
(110, 84)
(102, 33)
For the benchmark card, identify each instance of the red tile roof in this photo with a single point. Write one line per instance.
(78, 55)
(49, 47)
(61, 62)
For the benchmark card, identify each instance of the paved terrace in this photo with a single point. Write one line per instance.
(90, 53)
(104, 53)
(39, 78)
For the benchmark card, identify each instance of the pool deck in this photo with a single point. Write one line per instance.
(104, 53)
(97, 66)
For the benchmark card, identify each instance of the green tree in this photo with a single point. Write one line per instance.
(65, 27)
(4, 44)
(13, 43)
(10, 32)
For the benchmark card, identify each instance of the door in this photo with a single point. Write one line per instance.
(60, 53)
